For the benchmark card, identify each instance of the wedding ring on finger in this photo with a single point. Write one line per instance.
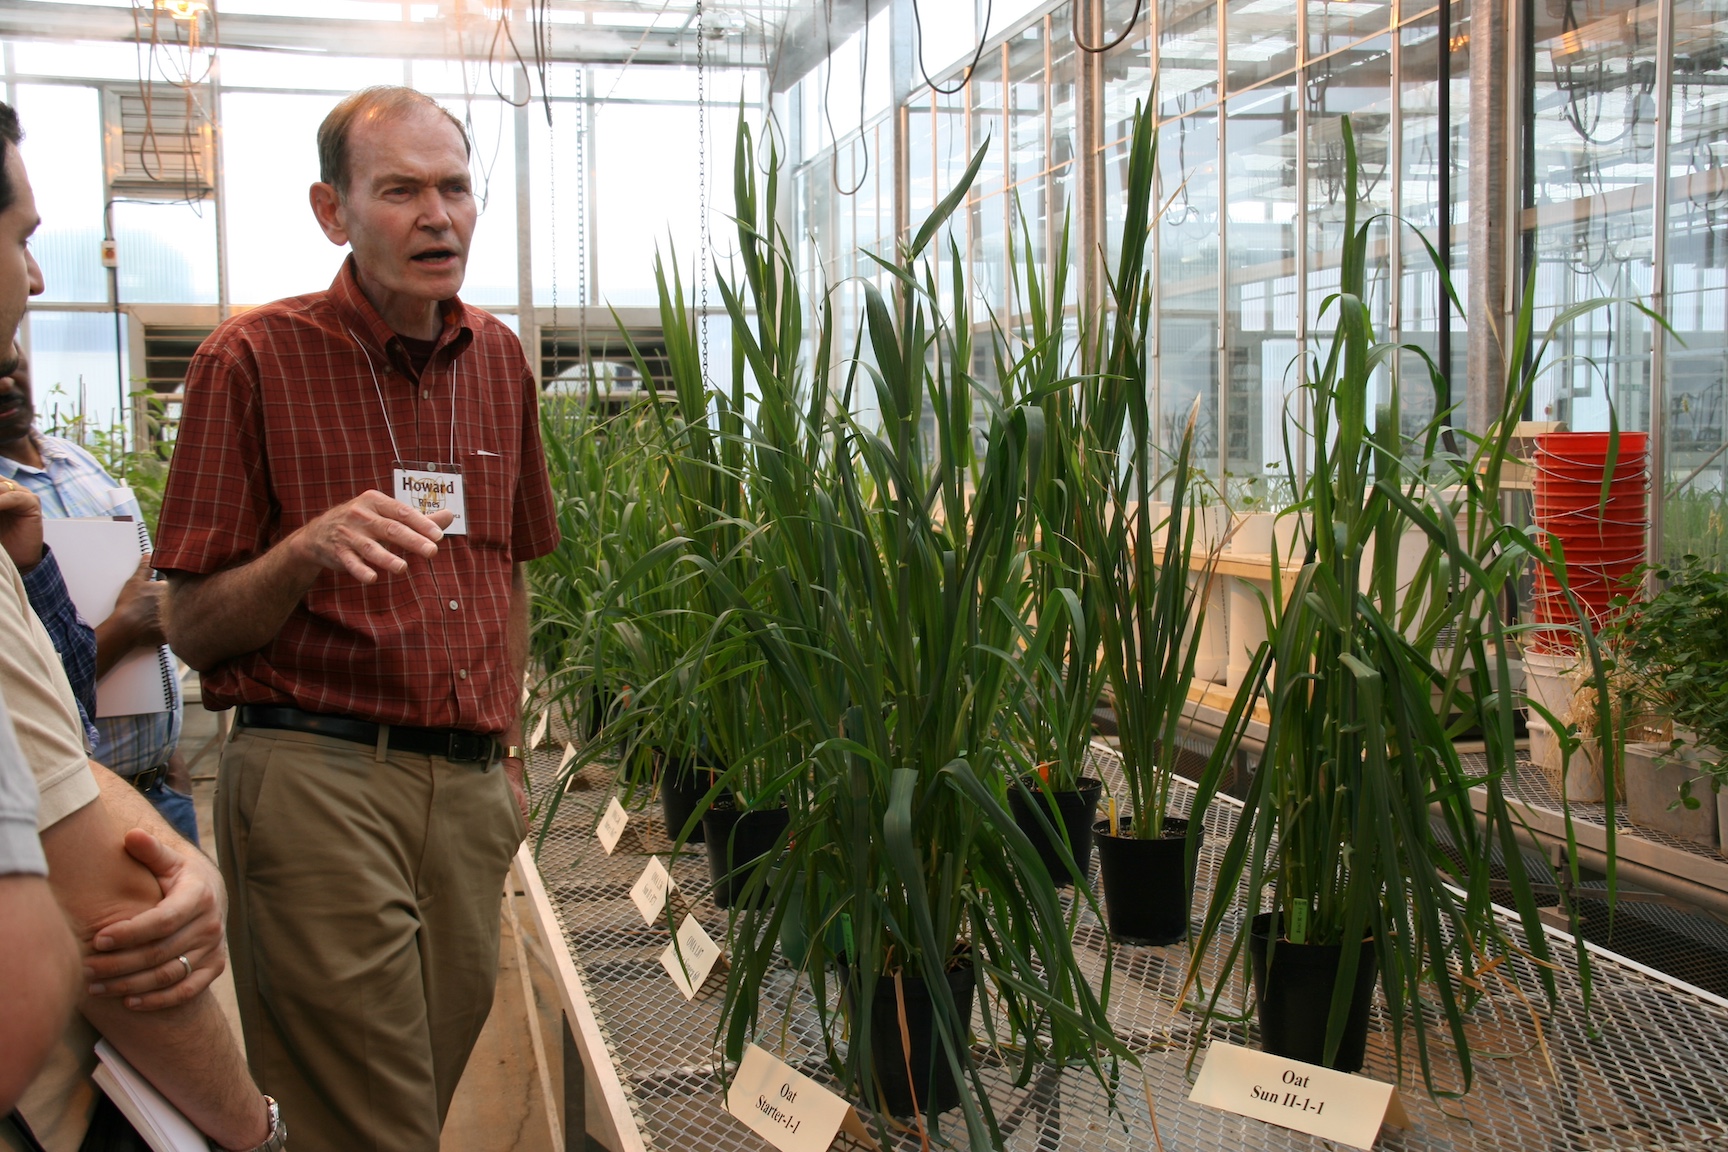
(188, 965)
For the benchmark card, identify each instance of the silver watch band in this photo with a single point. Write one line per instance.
(274, 1141)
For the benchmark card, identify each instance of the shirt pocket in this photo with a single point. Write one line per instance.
(489, 493)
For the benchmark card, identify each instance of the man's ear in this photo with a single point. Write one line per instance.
(327, 207)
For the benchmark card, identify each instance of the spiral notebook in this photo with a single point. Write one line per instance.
(96, 558)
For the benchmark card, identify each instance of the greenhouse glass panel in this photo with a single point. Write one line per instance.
(1188, 337)
(1695, 439)
(1594, 129)
(62, 151)
(167, 252)
(1259, 40)
(1187, 56)
(1332, 24)
(1261, 294)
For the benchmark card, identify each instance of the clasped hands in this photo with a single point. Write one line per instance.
(138, 960)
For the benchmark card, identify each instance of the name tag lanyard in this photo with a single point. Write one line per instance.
(428, 488)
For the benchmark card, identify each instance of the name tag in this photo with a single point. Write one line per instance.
(429, 488)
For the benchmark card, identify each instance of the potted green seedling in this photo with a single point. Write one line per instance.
(1673, 650)
(1335, 867)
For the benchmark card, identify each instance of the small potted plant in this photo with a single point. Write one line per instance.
(1673, 651)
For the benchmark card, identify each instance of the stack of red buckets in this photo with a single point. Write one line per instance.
(1604, 544)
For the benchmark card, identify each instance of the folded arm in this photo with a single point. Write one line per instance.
(187, 1051)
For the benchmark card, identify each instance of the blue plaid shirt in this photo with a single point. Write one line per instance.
(72, 485)
(73, 639)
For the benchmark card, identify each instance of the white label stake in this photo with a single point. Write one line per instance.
(650, 891)
(1320, 1101)
(612, 825)
(787, 1108)
(540, 729)
(690, 957)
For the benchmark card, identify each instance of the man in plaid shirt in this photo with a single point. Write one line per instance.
(71, 484)
(371, 798)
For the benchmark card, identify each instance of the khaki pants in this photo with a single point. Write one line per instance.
(363, 925)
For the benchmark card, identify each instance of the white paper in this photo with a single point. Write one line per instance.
(612, 825)
(698, 953)
(1320, 1101)
(158, 1121)
(786, 1107)
(649, 893)
(540, 729)
(569, 755)
(96, 558)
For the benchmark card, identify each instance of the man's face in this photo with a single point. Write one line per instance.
(409, 210)
(20, 278)
(17, 412)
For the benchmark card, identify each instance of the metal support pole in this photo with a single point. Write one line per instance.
(1088, 155)
(219, 184)
(900, 49)
(527, 321)
(1490, 214)
(1659, 280)
(1443, 200)
(1222, 418)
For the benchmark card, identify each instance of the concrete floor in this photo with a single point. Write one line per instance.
(501, 1104)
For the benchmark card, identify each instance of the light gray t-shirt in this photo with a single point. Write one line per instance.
(20, 847)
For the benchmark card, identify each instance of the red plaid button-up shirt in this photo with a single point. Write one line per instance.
(282, 423)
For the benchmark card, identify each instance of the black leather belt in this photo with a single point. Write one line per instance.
(450, 743)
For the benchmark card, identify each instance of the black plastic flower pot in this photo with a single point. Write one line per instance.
(684, 780)
(938, 1091)
(738, 843)
(1295, 998)
(1077, 809)
(1146, 884)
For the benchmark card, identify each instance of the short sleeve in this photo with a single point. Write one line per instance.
(39, 698)
(535, 524)
(20, 846)
(216, 509)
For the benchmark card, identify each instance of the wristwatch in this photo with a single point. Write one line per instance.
(274, 1141)
(515, 752)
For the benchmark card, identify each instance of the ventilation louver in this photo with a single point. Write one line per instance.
(159, 144)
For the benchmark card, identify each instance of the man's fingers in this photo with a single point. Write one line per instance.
(393, 509)
(444, 517)
(175, 994)
(162, 860)
(164, 973)
(143, 571)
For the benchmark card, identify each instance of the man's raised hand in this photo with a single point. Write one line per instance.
(371, 534)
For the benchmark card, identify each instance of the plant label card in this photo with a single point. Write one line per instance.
(540, 731)
(1320, 1101)
(787, 1108)
(690, 957)
(612, 823)
(569, 755)
(651, 890)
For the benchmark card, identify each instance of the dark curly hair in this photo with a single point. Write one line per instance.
(11, 132)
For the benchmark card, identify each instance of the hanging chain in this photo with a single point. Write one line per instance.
(702, 178)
